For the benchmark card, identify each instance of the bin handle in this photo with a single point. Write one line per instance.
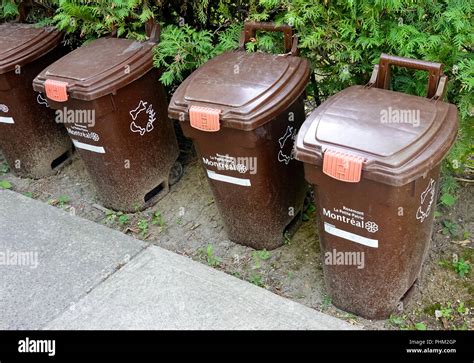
(23, 10)
(381, 74)
(251, 28)
(153, 30)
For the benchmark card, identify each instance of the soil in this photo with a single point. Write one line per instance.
(187, 222)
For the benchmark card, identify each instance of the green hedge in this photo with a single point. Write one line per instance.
(343, 39)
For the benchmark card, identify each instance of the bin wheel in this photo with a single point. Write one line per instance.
(176, 173)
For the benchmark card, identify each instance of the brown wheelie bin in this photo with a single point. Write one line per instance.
(242, 111)
(115, 111)
(33, 144)
(373, 156)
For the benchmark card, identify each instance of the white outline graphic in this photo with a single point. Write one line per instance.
(429, 191)
(289, 134)
(142, 106)
(42, 100)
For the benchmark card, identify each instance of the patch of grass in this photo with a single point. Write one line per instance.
(459, 265)
(420, 326)
(123, 218)
(63, 200)
(5, 184)
(326, 302)
(60, 202)
(287, 238)
(397, 321)
(448, 200)
(450, 228)
(110, 216)
(310, 209)
(4, 168)
(431, 309)
(462, 267)
(259, 256)
(208, 255)
(256, 279)
(28, 194)
(158, 220)
(143, 227)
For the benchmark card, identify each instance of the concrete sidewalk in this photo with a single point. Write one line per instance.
(62, 272)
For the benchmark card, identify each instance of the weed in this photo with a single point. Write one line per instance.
(110, 216)
(5, 184)
(208, 255)
(420, 326)
(259, 256)
(287, 238)
(123, 218)
(397, 321)
(449, 228)
(462, 267)
(448, 199)
(60, 202)
(28, 194)
(157, 219)
(326, 302)
(143, 227)
(63, 200)
(256, 279)
(4, 168)
(310, 209)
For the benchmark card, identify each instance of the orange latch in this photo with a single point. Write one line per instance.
(342, 166)
(56, 90)
(204, 118)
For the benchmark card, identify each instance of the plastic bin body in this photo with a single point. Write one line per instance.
(258, 207)
(386, 217)
(33, 144)
(242, 111)
(130, 147)
(376, 184)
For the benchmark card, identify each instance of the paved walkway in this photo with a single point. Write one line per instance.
(58, 271)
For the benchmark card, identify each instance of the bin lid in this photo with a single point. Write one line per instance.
(388, 136)
(247, 89)
(98, 68)
(21, 44)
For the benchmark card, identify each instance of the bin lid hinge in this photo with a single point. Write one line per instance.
(204, 118)
(342, 166)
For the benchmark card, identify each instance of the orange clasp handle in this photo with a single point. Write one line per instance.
(342, 166)
(204, 118)
(56, 90)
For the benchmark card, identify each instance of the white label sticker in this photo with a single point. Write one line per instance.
(228, 179)
(331, 229)
(6, 120)
(93, 148)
